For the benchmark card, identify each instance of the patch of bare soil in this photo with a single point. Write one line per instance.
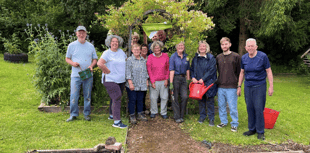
(288, 147)
(161, 135)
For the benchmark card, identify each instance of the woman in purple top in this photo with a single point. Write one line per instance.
(255, 67)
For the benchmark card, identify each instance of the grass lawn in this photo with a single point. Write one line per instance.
(291, 98)
(23, 127)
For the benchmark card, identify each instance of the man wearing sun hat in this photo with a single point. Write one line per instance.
(81, 55)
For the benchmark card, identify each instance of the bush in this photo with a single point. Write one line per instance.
(11, 46)
(52, 75)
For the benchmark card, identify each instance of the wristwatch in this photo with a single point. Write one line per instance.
(239, 86)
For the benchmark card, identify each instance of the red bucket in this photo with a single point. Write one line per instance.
(270, 116)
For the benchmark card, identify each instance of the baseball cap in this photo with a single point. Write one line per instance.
(81, 28)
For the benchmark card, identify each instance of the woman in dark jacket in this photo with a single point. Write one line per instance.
(203, 70)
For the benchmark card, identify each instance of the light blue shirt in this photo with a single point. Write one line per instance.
(82, 54)
(116, 63)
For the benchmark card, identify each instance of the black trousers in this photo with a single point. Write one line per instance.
(179, 89)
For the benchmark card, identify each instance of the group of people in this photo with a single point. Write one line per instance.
(150, 68)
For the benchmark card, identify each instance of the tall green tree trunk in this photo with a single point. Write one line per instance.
(242, 37)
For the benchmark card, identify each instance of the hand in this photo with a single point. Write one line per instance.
(188, 82)
(239, 91)
(166, 83)
(194, 80)
(171, 86)
(153, 85)
(200, 81)
(131, 87)
(75, 64)
(270, 91)
(147, 83)
(91, 68)
(107, 71)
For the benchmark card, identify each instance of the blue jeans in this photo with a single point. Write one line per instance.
(228, 95)
(76, 84)
(202, 107)
(135, 99)
(255, 98)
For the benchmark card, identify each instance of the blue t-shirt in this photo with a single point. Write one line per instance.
(116, 63)
(178, 65)
(82, 54)
(255, 68)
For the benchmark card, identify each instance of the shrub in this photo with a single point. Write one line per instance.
(52, 74)
(11, 46)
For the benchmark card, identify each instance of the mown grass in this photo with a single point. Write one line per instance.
(24, 128)
(291, 98)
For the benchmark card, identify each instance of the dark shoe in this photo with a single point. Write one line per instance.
(152, 115)
(141, 117)
(261, 136)
(211, 123)
(249, 133)
(87, 118)
(221, 125)
(200, 120)
(233, 129)
(132, 119)
(71, 118)
(164, 116)
(181, 119)
(110, 117)
(119, 125)
(178, 120)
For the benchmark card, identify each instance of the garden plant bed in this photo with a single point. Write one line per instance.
(160, 135)
(57, 109)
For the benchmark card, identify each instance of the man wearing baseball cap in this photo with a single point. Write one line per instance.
(81, 54)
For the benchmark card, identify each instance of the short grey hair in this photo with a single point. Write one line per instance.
(157, 43)
(109, 39)
(207, 45)
(179, 44)
(250, 39)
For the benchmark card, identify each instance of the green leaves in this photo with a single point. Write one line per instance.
(188, 25)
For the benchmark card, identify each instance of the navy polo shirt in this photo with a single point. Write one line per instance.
(255, 68)
(180, 66)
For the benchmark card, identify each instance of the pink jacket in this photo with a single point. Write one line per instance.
(158, 67)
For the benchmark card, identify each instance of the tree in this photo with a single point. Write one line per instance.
(188, 25)
(256, 18)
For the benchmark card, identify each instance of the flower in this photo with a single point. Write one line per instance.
(30, 24)
(46, 24)
(46, 29)
(67, 30)
(25, 30)
(27, 24)
(38, 25)
(59, 30)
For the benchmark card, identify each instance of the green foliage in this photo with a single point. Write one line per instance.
(52, 75)
(11, 46)
(188, 25)
(24, 128)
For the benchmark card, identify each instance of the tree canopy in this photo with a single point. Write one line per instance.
(188, 25)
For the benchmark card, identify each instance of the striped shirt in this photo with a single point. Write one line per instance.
(136, 71)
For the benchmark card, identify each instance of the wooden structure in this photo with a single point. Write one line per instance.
(160, 11)
(306, 57)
